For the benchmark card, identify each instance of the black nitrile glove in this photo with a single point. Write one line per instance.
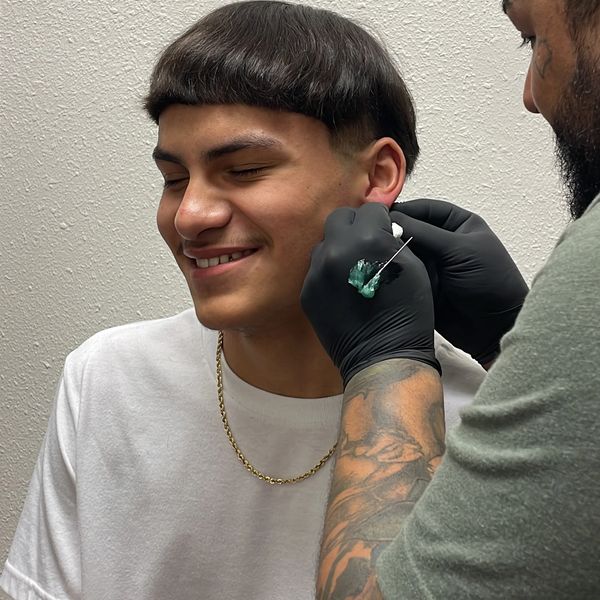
(357, 331)
(478, 290)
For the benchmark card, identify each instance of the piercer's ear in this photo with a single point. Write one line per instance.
(387, 171)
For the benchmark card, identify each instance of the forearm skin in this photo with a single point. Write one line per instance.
(391, 441)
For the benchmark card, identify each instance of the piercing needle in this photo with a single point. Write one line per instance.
(391, 259)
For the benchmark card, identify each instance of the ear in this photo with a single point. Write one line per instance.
(387, 171)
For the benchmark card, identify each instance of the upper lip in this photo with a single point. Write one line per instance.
(212, 252)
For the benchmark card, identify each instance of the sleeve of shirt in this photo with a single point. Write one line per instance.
(44, 559)
(514, 509)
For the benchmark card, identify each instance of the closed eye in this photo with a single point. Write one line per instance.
(169, 183)
(251, 172)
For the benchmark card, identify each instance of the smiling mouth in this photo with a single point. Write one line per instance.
(205, 263)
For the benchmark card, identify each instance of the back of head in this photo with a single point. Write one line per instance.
(293, 58)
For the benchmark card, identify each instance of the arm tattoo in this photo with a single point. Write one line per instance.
(391, 441)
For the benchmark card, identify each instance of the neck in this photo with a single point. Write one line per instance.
(288, 361)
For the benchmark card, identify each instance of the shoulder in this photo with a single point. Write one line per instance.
(457, 364)
(551, 356)
(461, 377)
(576, 253)
(138, 343)
(564, 301)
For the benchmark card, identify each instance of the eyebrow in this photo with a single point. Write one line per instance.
(506, 4)
(160, 154)
(249, 142)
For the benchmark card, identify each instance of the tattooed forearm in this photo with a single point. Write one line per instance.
(391, 441)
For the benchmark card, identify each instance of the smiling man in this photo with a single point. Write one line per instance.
(513, 511)
(189, 457)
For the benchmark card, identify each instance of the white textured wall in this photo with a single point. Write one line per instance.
(78, 190)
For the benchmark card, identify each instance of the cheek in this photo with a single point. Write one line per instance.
(296, 216)
(550, 72)
(295, 233)
(165, 221)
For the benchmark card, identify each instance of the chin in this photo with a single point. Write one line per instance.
(215, 320)
(236, 316)
(220, 317)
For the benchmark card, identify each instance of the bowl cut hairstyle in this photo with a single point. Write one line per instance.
(294, 58)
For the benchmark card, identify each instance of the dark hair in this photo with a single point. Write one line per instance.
(582, 14)
(289, 57)
(582, 8)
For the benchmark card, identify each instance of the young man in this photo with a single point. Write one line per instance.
(514, 509)
(270, 116)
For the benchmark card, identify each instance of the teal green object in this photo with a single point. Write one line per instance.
(368, 290)
(361, 277)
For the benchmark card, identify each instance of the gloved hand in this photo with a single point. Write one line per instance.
(357, 331)
(477, 289)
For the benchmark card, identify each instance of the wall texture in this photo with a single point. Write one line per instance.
(78, 190)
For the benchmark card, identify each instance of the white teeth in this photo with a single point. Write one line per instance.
(204, 263)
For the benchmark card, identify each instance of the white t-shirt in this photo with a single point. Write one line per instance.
(137, 493)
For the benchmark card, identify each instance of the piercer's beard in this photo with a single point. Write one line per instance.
(577, 127)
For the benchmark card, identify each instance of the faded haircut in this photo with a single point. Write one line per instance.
(294, 58)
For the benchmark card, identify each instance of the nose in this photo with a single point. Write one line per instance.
(201, 208)
(528, 100)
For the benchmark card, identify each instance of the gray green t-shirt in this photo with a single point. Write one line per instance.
(514, 509)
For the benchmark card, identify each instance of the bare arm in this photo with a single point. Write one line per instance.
(391, 442)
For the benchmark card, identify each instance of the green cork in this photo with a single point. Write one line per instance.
(368, 290)
(361, 277)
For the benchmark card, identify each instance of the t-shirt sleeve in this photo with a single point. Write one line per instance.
(514, 509)
(44, 559)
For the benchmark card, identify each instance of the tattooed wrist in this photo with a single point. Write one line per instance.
(380, 375)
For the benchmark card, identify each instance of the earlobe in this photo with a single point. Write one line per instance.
(387, 171)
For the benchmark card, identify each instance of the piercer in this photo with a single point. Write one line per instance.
(513, 510)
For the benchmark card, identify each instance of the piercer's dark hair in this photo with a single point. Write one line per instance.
(582, 9)
(293, 58)
(582, 14)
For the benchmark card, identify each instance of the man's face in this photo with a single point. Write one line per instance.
(563, 84)
(247, 192)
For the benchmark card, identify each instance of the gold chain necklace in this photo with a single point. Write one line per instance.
(239, 453)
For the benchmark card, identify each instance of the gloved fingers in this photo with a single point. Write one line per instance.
(338, 220)
(409, 276)
(373, 216)
(428, 240)
(439, 213)
(407, 259)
